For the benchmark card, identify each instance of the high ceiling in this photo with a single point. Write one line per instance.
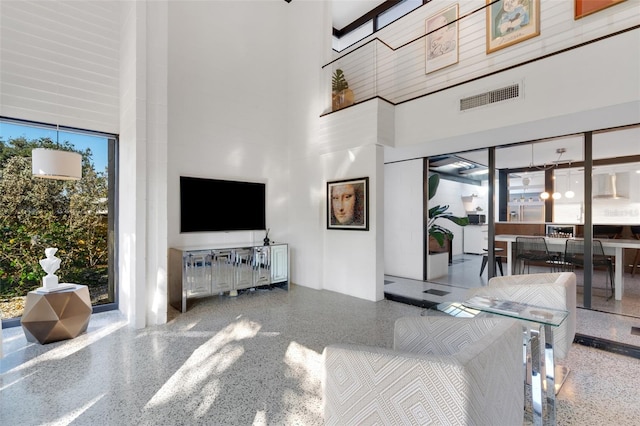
(347, 11)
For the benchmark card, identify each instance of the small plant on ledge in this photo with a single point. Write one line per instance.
(342, 96)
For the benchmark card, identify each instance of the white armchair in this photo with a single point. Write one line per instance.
(442, 370)
(551, 290)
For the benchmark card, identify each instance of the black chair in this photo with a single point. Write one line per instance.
(574, 256)
(534, 249)
(485, 260)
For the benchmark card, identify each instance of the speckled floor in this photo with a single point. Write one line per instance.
(254, 359)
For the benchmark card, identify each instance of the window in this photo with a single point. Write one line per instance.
(77, 217)
(352, 37)
(397, 12)
(349, 36)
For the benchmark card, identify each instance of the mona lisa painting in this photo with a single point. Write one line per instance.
(348, 204)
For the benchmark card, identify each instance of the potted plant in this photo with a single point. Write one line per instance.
(342, 96)
(437, 231)
(441, 235)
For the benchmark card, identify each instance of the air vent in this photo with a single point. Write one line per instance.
(497, 95)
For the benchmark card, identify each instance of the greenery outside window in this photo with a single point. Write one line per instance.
(77, 217)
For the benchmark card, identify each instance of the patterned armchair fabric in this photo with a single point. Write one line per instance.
(552, 290)
(442, 370)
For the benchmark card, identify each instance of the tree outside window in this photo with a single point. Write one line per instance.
(38, 213)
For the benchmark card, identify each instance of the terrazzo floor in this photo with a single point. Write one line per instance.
(250, 360)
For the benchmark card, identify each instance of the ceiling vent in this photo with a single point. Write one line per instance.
(498, 95)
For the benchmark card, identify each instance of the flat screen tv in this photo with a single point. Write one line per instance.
(221, 205)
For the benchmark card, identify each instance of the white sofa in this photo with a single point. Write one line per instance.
(442, 370)
(551, 290)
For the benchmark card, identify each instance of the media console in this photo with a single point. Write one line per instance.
(207, 271)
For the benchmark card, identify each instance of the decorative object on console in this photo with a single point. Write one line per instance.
(342, 96)
(583, 8)
(510, 22)
(442, 39)
(266, 238)
(348, 204)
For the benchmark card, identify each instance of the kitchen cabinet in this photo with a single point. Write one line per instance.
(475, 238)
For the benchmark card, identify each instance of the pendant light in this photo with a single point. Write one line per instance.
(56, 164)
(569, 193)
(545, 195)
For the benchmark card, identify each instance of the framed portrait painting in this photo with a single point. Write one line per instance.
(510, 22)
(348, 204)
(442, 39)
(583, 8)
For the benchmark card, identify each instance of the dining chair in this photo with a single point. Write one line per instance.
(534, 250)
(499, 259)
(574, 256)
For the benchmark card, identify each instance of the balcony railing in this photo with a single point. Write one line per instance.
(394, 69)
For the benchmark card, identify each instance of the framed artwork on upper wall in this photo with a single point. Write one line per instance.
(583, 8)
(348, 204)
(442, 39)
(510, 22)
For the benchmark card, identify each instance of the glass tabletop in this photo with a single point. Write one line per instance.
(481, 304)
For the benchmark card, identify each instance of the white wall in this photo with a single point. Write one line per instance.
(561, 96)
(60, 63)
(227, 108)
(403, 219)
(353, 259)
(156, 274)
(132, 292)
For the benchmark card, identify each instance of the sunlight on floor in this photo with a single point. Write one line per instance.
(70, 417)
(64, 351)
(302, 361)
(198, 374)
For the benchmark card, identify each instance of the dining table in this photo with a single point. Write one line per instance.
(612, 247)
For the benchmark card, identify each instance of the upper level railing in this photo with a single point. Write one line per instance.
(397, 69)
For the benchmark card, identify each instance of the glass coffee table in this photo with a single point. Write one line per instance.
(537, 345)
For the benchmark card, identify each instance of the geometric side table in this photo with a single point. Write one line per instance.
(59, 315)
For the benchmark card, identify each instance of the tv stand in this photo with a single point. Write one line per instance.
(207, 271)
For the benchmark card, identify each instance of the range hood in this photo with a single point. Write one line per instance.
(611, 186)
